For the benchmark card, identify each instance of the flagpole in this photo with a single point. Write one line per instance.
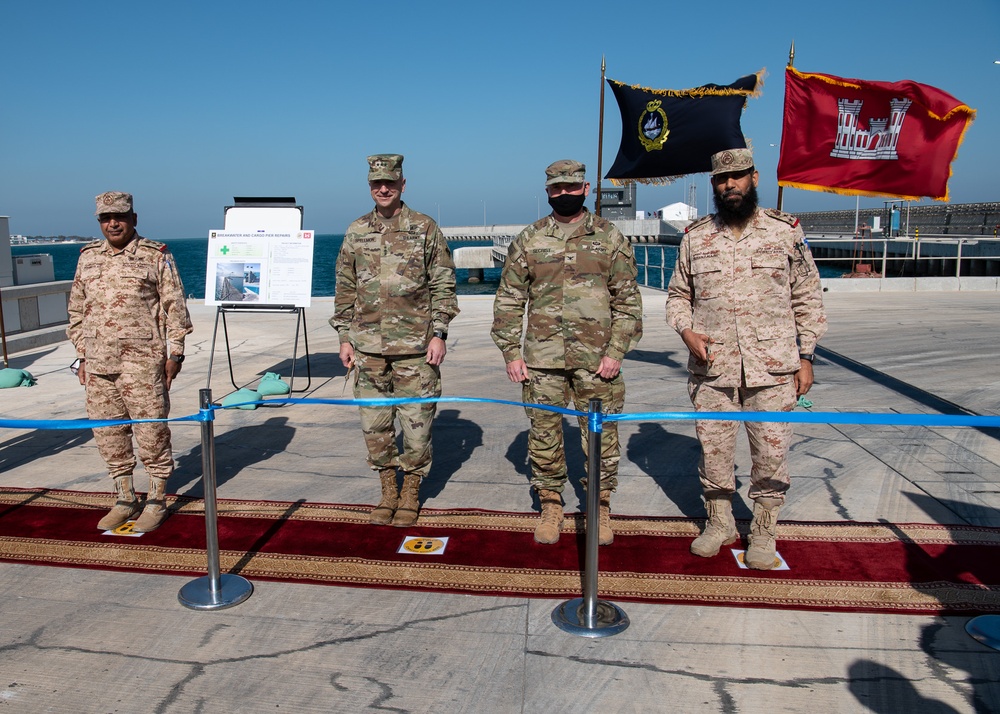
(600, 143)
(791, 61)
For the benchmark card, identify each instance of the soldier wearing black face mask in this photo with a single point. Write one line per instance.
(574, 274)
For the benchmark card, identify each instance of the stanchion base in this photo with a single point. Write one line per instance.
(197, 594)
(985, 629)
(569, 617)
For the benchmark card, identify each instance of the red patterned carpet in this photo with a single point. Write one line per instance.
(864, 567)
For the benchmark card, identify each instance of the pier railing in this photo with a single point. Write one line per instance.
(909, 256)
(903, 256)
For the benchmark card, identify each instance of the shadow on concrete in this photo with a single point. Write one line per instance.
(322, 365)
(454, 440)
(972, 513)
(671, 460)
(664, 359)
(910, 391)
(882, 689)
(576, 468)
(24, 361)
(40, 443)
(234, 451)
(945, 642)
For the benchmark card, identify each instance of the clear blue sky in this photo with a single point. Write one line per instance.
(187, 104)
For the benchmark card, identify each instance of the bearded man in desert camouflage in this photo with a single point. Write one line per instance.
(395, 297)
(745, 296)
(574, 272)
(127, 320)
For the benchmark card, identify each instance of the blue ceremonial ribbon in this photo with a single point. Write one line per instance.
(595, 419)
(67, 424)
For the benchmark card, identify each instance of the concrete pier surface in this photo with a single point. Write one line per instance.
(92, 641)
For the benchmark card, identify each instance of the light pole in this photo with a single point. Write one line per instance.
(484, 213)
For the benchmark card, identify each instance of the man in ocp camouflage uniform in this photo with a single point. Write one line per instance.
(574, 272)
(127, 320)
(745, 297)
(395, 297)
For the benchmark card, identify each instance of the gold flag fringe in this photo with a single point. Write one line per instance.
(855, 192)
(699, 92)
(659, 181)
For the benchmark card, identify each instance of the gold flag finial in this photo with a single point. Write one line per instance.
(791, 54)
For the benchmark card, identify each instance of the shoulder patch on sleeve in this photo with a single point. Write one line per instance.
(781, 216)
(697, 224)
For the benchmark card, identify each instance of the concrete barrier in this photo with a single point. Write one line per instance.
(35, 315)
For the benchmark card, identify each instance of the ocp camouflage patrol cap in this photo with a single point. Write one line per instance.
(385, 167)
(565, 171)
(113, 202)
(731, 160)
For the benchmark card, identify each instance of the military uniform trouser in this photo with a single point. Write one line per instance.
(769, 442)
(131, 396)
(397, 377)
(546, 451)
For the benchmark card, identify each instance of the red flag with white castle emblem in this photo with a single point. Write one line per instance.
(865, 138)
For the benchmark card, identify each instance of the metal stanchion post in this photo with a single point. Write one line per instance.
(985, 629)
(213, 591)
(588, 616)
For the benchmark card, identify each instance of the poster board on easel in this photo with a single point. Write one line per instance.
(261, 261)
(262, 256)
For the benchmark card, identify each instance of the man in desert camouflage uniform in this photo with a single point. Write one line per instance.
(575, 273)
(745, 297)
(395, 297)
(127, 320)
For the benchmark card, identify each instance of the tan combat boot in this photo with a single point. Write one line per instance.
(605, 536)
(155, 511)
(763, 530)
(550, 526)
(409, 502)
(720, 527)
(126, 506)
(382, 513)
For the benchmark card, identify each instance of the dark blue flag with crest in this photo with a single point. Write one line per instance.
(667, 133)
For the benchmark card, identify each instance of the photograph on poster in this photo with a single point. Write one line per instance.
(237, 282)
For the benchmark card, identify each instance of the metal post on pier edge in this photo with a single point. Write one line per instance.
(588, 616)
(212, 591)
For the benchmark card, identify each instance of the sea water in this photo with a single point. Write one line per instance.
(655, 264)
(191, 255)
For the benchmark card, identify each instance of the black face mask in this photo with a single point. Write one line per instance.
(567, 204)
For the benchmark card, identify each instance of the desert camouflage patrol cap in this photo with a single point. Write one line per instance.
(385, 167)
(113, 202)
(565, 171)
(731, 160)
